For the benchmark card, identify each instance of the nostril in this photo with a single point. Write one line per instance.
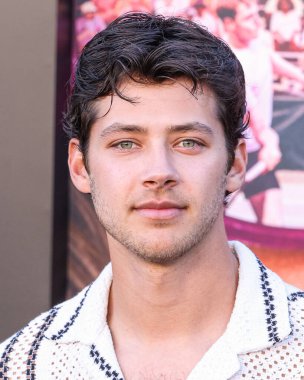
(159, 184)
(170, 182)
(151, 182)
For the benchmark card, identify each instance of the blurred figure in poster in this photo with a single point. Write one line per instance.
(172, 7)
(123, 6)
(298, 38)
(205, 15)
(106, 9)
(272, 5)
(254, 48)
(285, 22)
(88, 24)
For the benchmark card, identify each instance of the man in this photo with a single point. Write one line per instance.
(156, 125)
(254, 48)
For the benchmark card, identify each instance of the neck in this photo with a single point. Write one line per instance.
(156, 302)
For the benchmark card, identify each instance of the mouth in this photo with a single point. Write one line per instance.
(160, 210)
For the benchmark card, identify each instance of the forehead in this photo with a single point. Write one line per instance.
(158, 104)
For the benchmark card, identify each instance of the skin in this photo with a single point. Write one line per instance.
(157, 173)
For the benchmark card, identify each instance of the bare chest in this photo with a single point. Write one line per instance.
(152, 366)
(155, 374)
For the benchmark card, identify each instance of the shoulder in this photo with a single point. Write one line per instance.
(21, 348)
(284, 358)
(39, 346)
(20, 351)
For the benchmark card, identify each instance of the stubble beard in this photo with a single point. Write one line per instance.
(160, 252)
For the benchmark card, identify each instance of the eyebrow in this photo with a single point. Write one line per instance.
(192, 127)
(118, 127)
(183, 128)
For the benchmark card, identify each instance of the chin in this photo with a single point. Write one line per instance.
(160, 258)
(161, 253)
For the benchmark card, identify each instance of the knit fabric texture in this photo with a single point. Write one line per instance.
(264, 338)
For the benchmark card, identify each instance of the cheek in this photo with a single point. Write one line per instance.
(206, 170)
(113, 183)
(204, 184)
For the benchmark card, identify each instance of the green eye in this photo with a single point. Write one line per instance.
(126, 145)
(188, 143)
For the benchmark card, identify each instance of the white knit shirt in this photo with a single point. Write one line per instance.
(264, 338)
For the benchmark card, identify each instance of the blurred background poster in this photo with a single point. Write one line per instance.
(268, 214)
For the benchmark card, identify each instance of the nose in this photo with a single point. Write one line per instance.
(159, 171)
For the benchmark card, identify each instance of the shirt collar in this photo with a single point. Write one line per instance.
(260, 317)
(84, 317)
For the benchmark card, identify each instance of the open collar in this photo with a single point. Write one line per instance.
(84, 317)
(260, 316)
(259, 319)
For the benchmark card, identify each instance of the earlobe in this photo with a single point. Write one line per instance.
(236, 174)
(78, 171)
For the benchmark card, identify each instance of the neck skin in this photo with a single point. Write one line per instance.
(190, 299)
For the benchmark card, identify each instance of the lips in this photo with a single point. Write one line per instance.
(160, 210)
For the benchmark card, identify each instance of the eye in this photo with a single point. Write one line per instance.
(125, 145)
(189, 144)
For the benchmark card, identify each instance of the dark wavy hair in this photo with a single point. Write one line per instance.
(152, 49)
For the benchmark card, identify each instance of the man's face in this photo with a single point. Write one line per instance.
(157, 170)
(247, 20)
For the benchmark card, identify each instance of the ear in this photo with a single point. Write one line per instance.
(236, 174)
(78, 171)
